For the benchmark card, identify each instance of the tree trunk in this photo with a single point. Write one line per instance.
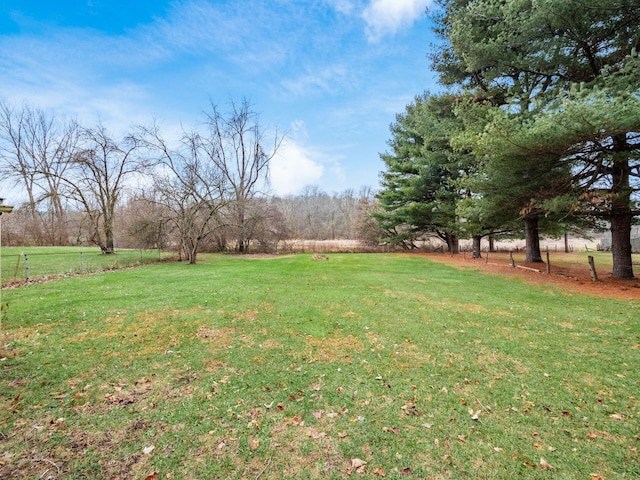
(532, 240)
(190, 249)
(241, 240)
(453, 243)
(108, 234)
(477, 252)
(621, 245)
(96, 237)
(621, 214)
(492, 243)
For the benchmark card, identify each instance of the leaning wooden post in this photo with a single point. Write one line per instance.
(548, 263)
(592, 269)
(513, 263)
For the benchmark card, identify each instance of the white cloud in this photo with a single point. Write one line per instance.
(345, 7)
(386, 17)
(292, 169)
(324, 80)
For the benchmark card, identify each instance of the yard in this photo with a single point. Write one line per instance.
(362, 365)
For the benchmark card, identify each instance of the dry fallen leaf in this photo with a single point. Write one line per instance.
(153, 476)
(545, 465)
(148, 450)
(379, 471)
(315, 435)
(617, 416)
(358, 465)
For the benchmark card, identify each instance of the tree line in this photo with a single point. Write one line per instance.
(206, 190)
(537, 131)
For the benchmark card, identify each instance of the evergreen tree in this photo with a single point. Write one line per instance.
(527, 57)
(420, 192)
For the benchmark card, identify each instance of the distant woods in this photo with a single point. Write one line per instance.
(205, 189)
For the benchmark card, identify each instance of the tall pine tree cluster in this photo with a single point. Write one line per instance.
(538, 132)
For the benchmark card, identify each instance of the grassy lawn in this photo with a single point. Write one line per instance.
(296, 368)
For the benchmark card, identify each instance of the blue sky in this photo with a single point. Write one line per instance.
(331, 74)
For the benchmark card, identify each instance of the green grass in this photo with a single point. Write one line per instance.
(18, 263)
(291, 368)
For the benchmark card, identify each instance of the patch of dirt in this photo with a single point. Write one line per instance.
(574, 278)
(333, 349)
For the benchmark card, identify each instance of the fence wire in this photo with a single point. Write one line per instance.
(31, 266)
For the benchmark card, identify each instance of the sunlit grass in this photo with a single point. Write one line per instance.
(291, 368)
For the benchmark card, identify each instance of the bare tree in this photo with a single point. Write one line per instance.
(96, 177)
(368, 230)
(34, 147)
(237, 145)
(143, 222)
(188, 185)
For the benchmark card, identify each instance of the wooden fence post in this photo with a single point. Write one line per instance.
(548, 263)
(592, 269)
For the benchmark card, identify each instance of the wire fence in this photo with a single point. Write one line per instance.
(33, 264)
(584, 264)
(27, 266)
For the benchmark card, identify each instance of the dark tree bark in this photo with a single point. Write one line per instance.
(477, 252)
(492, 243)
(621, 214)
(532, 240)
(453, 243)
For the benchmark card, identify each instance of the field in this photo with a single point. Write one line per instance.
(361, 366)
(37, 263)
